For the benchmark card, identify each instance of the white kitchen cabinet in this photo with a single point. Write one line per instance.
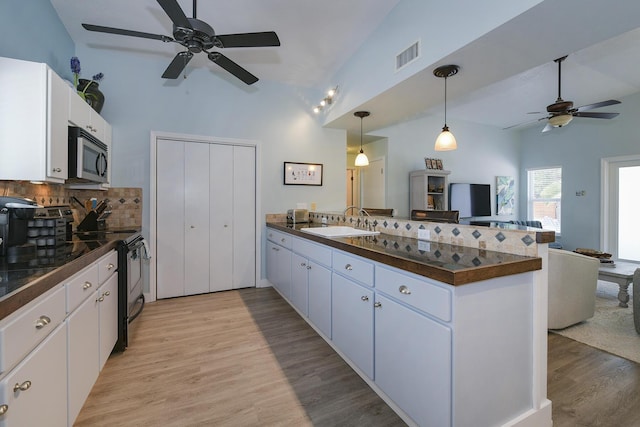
(300, 283)
(34, 393)
(206, 217)
(33, 122)
(320, 297)
(429, 190)
(413, 362)
(352, 321)
(279, 268)
(92, 327)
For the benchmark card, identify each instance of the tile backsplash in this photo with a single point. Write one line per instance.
(125, 203)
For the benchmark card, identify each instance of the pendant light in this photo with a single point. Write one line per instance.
(361, 159)
(446, 141)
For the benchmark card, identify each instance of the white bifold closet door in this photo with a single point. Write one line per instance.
(205, 217)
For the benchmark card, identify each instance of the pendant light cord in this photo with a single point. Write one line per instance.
(361, 134)
(445, 102)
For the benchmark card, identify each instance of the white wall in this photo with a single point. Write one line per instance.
(483, 153)
(578, 148)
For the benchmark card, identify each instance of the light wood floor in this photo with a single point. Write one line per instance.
(237, 358)
(245, 358)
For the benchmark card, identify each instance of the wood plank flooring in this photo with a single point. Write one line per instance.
(236, 358)
(245, 358)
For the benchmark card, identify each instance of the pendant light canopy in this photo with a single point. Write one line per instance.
(361, 159)
(446, 141)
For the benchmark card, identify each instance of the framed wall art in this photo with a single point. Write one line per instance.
(505, 192)
(296, 173)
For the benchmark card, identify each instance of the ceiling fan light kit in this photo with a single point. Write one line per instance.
(198, 36)
(560, 120)
(361, 158)
(446, 141)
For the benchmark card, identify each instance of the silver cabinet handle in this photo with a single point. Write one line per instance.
(4, 409)
(364, 298)
(87, 285)
(22, 387)
(107, 293)
(100, 299)
(42, 322)
(57, 170)
(275, 249)
(348, 267)
(377, 304)
(308, 267)
(283, 240)
(302, 264)
(110, 266)
(193, 226)
(404, 290)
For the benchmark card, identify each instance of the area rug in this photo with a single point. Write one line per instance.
(611, 328)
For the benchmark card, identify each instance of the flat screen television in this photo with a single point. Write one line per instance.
(470, 200)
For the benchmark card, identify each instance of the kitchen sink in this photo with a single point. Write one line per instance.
(338, 231)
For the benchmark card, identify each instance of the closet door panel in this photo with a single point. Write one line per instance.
(196, 208)
(221, 217)
(170, 218)
(244, 208)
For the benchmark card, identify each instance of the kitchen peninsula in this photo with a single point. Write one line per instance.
(449, 332)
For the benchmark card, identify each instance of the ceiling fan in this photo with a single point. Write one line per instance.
(198, 36)
(562, 112)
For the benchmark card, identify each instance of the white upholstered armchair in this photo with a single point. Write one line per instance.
(573, 279)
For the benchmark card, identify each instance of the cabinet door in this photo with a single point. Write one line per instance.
(79, 111)
(222, 217)
(284, 270)
(57, 130)
(320, 297)
(244, 217)
(299, 283)
(352, 321)
(41, 396)
(83, 347)
(108, 321)
(417, 378)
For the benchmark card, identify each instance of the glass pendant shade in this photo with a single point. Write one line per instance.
(362, 159)
(446, 141)
(560, 120)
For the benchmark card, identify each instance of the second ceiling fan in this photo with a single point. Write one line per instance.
(198, 36)
(562, 112)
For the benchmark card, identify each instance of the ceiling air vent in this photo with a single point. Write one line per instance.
(408, 55)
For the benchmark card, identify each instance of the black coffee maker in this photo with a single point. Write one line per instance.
(15, 213)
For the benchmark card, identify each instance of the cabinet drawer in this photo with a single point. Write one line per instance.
(107, 265)
(283, 239)
(354, 267)
(28, 328)
(80, 286)
(415, 291)
(320, 254)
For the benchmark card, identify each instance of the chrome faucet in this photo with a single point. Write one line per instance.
(347, 209)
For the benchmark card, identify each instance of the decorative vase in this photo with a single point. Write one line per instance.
(92, 93)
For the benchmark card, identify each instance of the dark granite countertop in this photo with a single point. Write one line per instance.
(23, 278)
(455, 265)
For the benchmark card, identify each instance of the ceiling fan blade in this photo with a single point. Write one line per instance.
(121, 32)
(178, 64)
(547, 128)
(172, 8)
(598, 105)
(267, 38)
(232, 67)
(596, 115)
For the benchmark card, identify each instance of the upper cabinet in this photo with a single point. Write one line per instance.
(33, 122)
(82, 115)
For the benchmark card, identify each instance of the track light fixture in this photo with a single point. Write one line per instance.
(446, 141)
(326, 101)
(361, 158)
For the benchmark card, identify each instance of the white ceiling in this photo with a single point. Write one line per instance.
(504, 75)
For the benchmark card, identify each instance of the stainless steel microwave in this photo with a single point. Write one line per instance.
(88, 157)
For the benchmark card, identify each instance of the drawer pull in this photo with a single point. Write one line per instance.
(404, 290)
(22, 387)
(42, 322)
(100, 299)
(87, 285)
(110, 266)
(302, 264)
(308, 267)
(348, 267)
(377, 304)
(275, 249)
(283, 240)
(364, 298)
(4, 409)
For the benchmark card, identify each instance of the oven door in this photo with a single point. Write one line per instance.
(134, 278)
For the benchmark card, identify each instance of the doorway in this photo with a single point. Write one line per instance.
(353, 187)
(620, 234)
(373, 182)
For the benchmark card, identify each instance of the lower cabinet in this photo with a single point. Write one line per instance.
(320, 297)
(300, 267)
(352, 317)
(279, 268)
(413, 362)
(34, 393)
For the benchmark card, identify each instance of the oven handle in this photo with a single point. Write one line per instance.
(140, 243)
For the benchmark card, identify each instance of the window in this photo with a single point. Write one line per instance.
(544, 197)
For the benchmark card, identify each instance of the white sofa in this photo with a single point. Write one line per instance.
(573, 279)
